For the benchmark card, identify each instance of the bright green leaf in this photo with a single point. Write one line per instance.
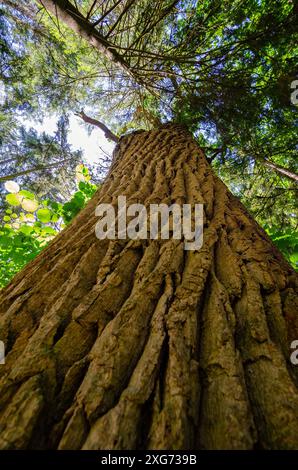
(13, 199)
(44, 215)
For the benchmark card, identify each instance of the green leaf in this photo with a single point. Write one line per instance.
(27, 194)
(13, 199)
(26, 229)
(49, 231)
(6, 218)
(44, 215)
(29, 217)
(54, 205)
(54, 218)
(82, 186)
(294, 259)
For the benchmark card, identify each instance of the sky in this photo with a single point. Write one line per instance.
(78, 137)
(94, 145)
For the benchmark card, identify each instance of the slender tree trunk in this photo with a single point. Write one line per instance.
(66, 12)
(280, 169)
(128, 344)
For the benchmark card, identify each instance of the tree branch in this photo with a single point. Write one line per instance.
(65, 11)
(280, 169)
(33, 170)
(94, 122)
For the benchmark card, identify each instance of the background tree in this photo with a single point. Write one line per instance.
(44, 162)
(29, 222)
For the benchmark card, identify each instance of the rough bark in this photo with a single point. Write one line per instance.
(140, 344)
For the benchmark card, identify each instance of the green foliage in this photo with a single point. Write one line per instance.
(44, 215)
(42, 163)
(13, 199)
(18, 247)
(24, 232)
(70, 209)
(287, 243)
(236, 100)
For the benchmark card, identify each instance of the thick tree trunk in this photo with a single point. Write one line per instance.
(140, 344)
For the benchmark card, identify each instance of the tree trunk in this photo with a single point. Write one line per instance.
(65, 11)
(122, 344)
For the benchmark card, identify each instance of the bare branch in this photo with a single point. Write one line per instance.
(94, 122)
